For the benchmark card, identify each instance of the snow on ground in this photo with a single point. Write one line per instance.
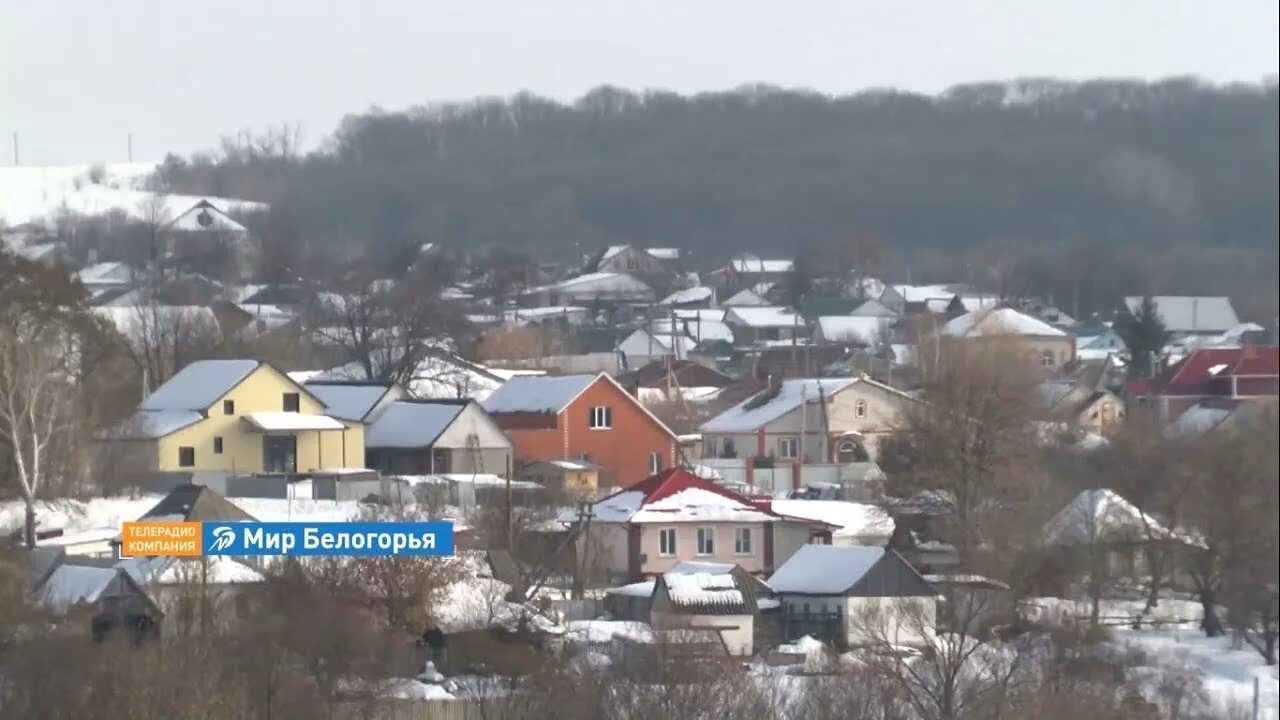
(34, 193)
(1228, 674)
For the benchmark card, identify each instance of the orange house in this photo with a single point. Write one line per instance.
(582, 417)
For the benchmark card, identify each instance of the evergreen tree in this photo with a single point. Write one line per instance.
(1145, 334)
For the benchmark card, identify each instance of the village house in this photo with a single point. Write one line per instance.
(764, 325)
(592, 288)
(656, 266)
(645, 529)
(749, 270)
(582, 417)
(718, 597)
(206, 237)
(113, 600)
(430, 437)
(860, 330)
(674, 380)
(572, 480)
(854, 595)
(1044, 345)
(1086, 409)
(240, 416)
(643, 346)
(802, 421)
(1188, 315)
(748, 297)
(698, 297)
(1244, 373)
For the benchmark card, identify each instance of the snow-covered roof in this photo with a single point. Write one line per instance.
(537, 394)
(70, 585)
(763, 317)
(873, 308)
(1195, 421)
(599, 283)
(749, 264)
(1001, 321)
(751, 413)
(703, 589)
(132, 320)
(151, 424)
(36, 193)
(348, 401)
(218, 569)
(199, 384)
(825, 569)
(677, 495)
(280, 421)
(745, 298)
(437, 376)
(1184, 313)
(600, 632)
(204, 216)
(642, 589)
(475, 603)
(688, 295)
(406, 424)
(106, 273)
(1100, 515)
(852, 519)
(924, 293)
(865, 329)
(664, 253)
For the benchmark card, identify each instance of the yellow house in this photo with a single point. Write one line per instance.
(243, 416)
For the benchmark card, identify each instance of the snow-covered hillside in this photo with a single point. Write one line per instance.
(35, 193)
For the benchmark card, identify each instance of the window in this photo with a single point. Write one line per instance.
(667, 542)
(228, 407)
(742, 541)
(789, 447)
(655, 463)
(186, 457)
(730, 450)
(291, 402)
(1046, 359)
(217, 446)
(601, 417)
(706, 541)
(860, 409)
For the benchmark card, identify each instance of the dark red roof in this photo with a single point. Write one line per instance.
(1255, 361)
(673, 480)
(1191, 376)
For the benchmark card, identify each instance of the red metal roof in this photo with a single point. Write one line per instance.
(1264, 361)
(673, 480)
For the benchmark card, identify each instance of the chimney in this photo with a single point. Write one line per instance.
(775, 381)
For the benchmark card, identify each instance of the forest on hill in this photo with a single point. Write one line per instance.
(1117, 171)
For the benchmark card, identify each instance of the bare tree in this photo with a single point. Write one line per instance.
(161, 339)
(43, 333)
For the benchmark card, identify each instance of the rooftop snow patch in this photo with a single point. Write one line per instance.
(702, 588)
(406, 424)
(537, 394)
(348, 401)
(1000, 321)
(752, 414)
(825, 569)
(688, 295)
(769, 316)
(199, 385)
(864, 329)
(1100, 515)
(280, 421)
(853, 519)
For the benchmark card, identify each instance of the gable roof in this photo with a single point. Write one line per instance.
(1196, 421)
(204, 216)
(687, 295)
(745, 298)
(761, 409)
(873, 308)
(196, 503)
(999, 321)
(1099, 515)
(70, 585)
(852, 328)
(1199, 372)
(1187, 313)
(199, 384)
(764, 316)
(349, 400)
(707, 592)
(677, 495)
(537, 393)
(849, 570)
(411, 423)
(687, 373)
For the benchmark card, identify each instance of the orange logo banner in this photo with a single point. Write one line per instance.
(174, 539)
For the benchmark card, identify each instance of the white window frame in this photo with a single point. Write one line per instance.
(1047, 360)
(655, 463)
(667, 546)
(601, 417)
(742, 542)
(860, 408)
(789, 447)
(707, 534)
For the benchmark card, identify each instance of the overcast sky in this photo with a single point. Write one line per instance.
(76, 76)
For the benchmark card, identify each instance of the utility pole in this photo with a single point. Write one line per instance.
(130, 147)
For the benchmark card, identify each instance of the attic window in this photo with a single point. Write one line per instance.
(228, 407)
(291, 402)
(204, 219)
(860, 409)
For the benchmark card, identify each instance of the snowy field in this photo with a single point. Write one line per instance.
(34, 193)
